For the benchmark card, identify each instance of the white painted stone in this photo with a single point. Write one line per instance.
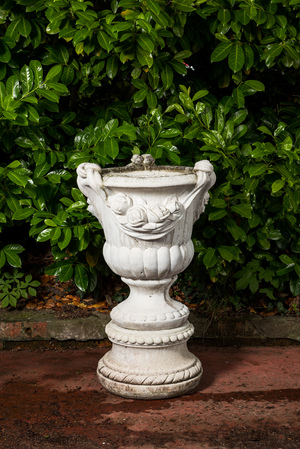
(147, 213)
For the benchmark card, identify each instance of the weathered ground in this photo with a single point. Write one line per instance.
(248, 398)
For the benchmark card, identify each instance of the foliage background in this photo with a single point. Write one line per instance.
(99, 81)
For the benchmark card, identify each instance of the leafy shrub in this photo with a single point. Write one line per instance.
(13, 287)
(184, 80)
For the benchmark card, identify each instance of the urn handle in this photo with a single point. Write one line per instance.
(206, 178)
(90, 183)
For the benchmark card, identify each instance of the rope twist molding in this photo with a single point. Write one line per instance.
(144, 379)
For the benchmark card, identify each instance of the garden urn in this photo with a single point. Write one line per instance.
(147, 214)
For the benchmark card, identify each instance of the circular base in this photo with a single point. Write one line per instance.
(149, 392)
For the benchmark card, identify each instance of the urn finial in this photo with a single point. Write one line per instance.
(145, 160)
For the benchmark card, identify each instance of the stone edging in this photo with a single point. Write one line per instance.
(44, 326)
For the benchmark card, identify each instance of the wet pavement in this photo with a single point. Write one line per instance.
(248, 398)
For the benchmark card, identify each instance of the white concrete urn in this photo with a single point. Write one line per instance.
(147, 213)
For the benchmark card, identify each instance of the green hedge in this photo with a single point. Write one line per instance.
(183, 80)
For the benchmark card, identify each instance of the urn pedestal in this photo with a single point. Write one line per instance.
(147, 213)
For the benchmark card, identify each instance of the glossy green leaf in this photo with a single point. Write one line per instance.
(144, 58)
(12, 258)
(183, 5)
(169, 133)
(79, 231)
(173, 157)
(33, 114)
(200, 94)
(249, 57)
(127, 130)
(104, 40)
(229, 253)
(12, 201)
(278, 185)
(156, 152)
(10, 115)
(53, 72)
(210, 259)
(245, 210)
(239, 116)
(65, 238)
(66, 273)
(13, 29)
(236, 58)
(145, 42)
(17, 178)
(251, 184)
(37, 70)
(80, 35)
(67, 75)
(24, 27)
(183, 54)
(56, 268)
(257, 169)
(219, 203)
(221, 51)
(167, 76)
(58, 87)
(44, 235)
(140, 95)
(295, 286)
(49, 95)
(243, 16)
(161, 19)
(193, 131)
(256, 85)
(67, 33)
(286, 260)
(112, 67)
(238, 97)
(2, 259)
(151, 100)
(217, 214)
(5, 54)
(111, 147)
(236, 231)
(22, 214)
(26, 76)
(224, 15)
(81, 277)
(272, 53)
(153, 6)
(186, 100)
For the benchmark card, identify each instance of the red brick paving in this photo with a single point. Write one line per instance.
(248, 398)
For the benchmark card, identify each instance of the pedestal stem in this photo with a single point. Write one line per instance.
(149, 306)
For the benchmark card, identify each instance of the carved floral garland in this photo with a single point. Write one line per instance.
(142, 217)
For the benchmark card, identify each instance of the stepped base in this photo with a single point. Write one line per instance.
(156, 370)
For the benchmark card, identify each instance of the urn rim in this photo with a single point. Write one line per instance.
(151, 177)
